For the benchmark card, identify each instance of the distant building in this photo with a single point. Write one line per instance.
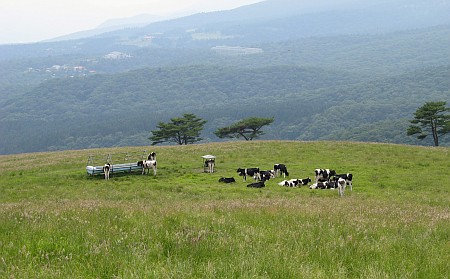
(236, 50)
(116, 55)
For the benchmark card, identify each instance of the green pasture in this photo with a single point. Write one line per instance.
(57, 222)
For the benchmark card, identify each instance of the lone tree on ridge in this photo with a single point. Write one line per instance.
(181, 130)
(248, 128)
(430, 118)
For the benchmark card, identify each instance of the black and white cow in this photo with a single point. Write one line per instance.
(146, 165)
(324, 185)
(323, 175)
(266, 175)
(305, 181)
(295, 182)
(107, 170)
(341, 183)
(254, 172)
(227, 179)
(152, 156)
(280, 169)
(259, 184)
(348, 177)
(210, 164)
(290, 183)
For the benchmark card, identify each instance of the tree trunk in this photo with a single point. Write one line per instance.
(434, 132)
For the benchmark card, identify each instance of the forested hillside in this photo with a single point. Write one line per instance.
(307, 104)
(112, 89)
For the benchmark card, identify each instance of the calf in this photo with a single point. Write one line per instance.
(250, 171)
(227, 179)
(106, 170)
(280, 169)
(259, 184)
(348, 179)
(323, 174)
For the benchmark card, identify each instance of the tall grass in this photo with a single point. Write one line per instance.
(56, 222)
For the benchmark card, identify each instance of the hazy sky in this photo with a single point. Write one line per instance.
(23, 21)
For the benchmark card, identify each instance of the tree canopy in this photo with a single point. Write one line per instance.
(181, 130)
(248, 128)
(430, 118)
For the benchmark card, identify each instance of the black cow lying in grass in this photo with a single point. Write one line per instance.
(259, 184)
(227, 179)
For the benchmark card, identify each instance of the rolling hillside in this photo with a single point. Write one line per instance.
(55, 221)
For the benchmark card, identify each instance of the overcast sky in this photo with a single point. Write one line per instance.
(24, 21)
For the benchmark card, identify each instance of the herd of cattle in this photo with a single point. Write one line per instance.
(324, 178)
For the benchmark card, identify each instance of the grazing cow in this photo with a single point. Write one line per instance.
(146, 165)
(227, 179)
(266, 175)
(324, 175)
(280, 169)
(348, 179)
(259, 184)
(106, 170)
(250, 171)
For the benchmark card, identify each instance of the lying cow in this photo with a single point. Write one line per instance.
(324, 185)
(259, 184)
(280, 169)
(295, 182)
(253, 172)
(227, 179)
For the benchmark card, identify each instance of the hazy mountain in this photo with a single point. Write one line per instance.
(115, 24)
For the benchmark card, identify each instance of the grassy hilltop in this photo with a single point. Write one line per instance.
(56, 222)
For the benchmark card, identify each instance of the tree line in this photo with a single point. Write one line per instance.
(187, 129)
(431, 118)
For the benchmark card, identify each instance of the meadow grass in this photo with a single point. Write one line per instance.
(57, 222)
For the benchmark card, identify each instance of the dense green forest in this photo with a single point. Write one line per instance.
(361, 87)
(307, 104)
